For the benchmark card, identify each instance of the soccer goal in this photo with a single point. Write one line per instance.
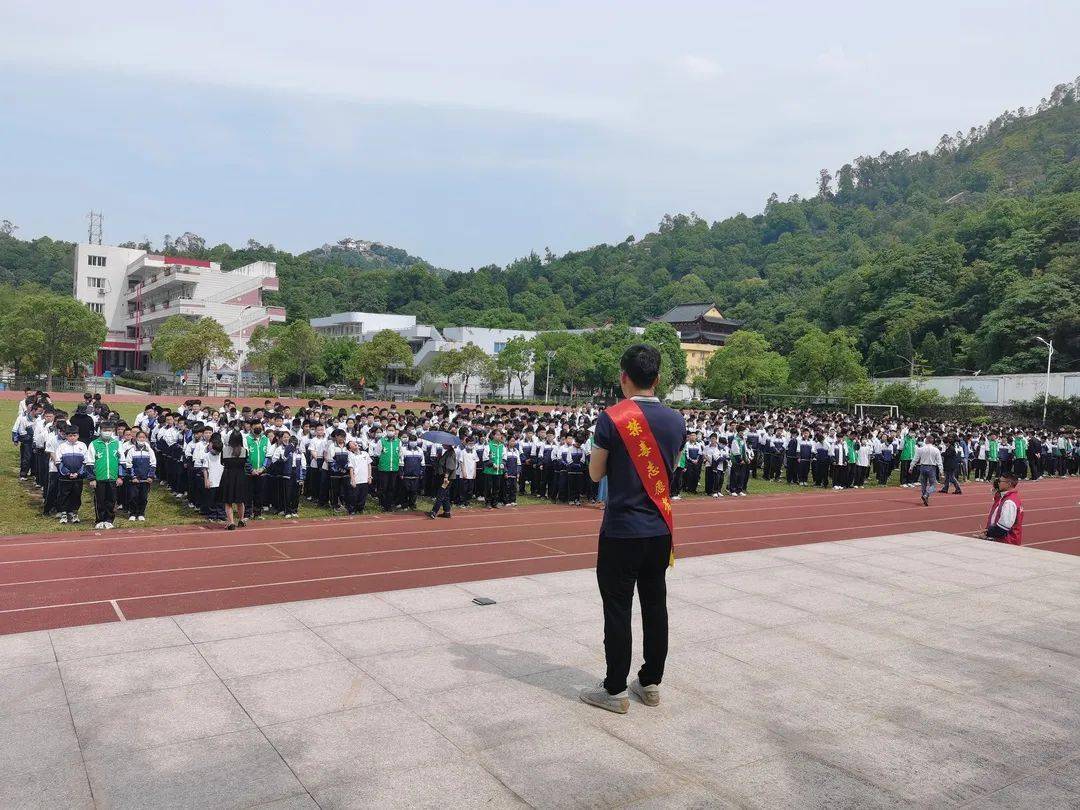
(889, 410)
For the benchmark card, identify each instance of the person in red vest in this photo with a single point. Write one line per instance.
(1005, 524)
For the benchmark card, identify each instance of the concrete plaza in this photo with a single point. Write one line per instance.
(922, 669)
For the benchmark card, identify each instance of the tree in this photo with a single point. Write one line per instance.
(820, 361)
(335, 357)
(182, 344)
(967, 405)
(493, 375)
(673, 358)
(473, 361)
(58, 332)
(375, 359)
(265, 353)
(302, 347)
(515, 360)
(743, 367)
(445, 365)
(573, 362)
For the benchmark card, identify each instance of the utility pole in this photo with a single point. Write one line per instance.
(1049, 355)
(547, 385)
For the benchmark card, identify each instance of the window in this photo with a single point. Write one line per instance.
(95, 261)
(95, 282)
(98, 308)
(500, 346)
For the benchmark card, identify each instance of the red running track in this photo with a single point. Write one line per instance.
(61, 580)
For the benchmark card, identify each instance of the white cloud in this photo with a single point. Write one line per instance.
(700, 67)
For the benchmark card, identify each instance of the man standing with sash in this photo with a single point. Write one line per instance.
(635, 445)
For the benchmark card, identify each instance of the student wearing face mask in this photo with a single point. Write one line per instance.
(103, 470)
(257, 446)
(412, 472)
(389, 452)
(138, 463)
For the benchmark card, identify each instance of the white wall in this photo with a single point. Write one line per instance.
(484, 338)
(114, 301)
(366, 321)
(998, 389)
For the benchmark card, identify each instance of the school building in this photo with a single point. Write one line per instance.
(425, 342)
(137, 291)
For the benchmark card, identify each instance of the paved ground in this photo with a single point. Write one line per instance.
(923, 669)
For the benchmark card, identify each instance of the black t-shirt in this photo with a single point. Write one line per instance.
(630, 512)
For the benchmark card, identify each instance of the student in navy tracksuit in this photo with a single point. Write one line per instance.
(822, 460)
(806, 451)
(412, 472)
(139, 465)
(293, 469)
(338, 470)
(70, 458)
(514, 472)
(575, 472)
(791, 456)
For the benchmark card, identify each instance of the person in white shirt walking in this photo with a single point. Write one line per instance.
(927, 464)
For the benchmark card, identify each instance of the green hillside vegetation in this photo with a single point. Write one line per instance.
(940, 261)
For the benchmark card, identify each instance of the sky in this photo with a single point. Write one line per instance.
(472, 133)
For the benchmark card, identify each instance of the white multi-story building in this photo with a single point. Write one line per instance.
(137, 291)
(426, 341)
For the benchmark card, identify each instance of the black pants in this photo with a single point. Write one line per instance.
(105, 501)
(69, 497)
(356, 497)
(510, 489)
(622, 564)
(138, 492)
(442, 501)
(465, 488)
(409, 490)
(804, 469)
(1020, 468)
(52, 487)
(387, 489)
(290, 496)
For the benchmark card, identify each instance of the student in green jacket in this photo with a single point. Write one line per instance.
(907, 453)
(494, 469)
(257, 445)
(1020, 456)
(103, 468)
(389, 453)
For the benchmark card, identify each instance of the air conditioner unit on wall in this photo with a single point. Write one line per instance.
(102, 292)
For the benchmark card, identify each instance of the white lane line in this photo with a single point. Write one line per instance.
(490, 527)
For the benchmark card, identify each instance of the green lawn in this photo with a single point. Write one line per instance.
(20, 502)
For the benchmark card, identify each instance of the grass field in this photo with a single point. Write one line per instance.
(20, 502)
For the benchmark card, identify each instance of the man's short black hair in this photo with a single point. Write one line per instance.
(641, 364)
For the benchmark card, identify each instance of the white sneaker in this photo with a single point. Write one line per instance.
(100, 525)
(132, 517)
(649, 695)
(64, 518)
(142, 517)
(602, 699)
(677, 498)
(74, 519)
(109, 525)
(742, 494)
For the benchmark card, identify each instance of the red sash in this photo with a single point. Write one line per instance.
(641, 445)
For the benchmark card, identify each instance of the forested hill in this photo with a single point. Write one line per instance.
(951, 259)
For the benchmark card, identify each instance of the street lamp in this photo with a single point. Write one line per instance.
(547, 385)
(1050, 353)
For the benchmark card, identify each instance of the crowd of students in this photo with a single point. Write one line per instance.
(237, 463)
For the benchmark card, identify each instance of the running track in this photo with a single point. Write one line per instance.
(62, 580)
